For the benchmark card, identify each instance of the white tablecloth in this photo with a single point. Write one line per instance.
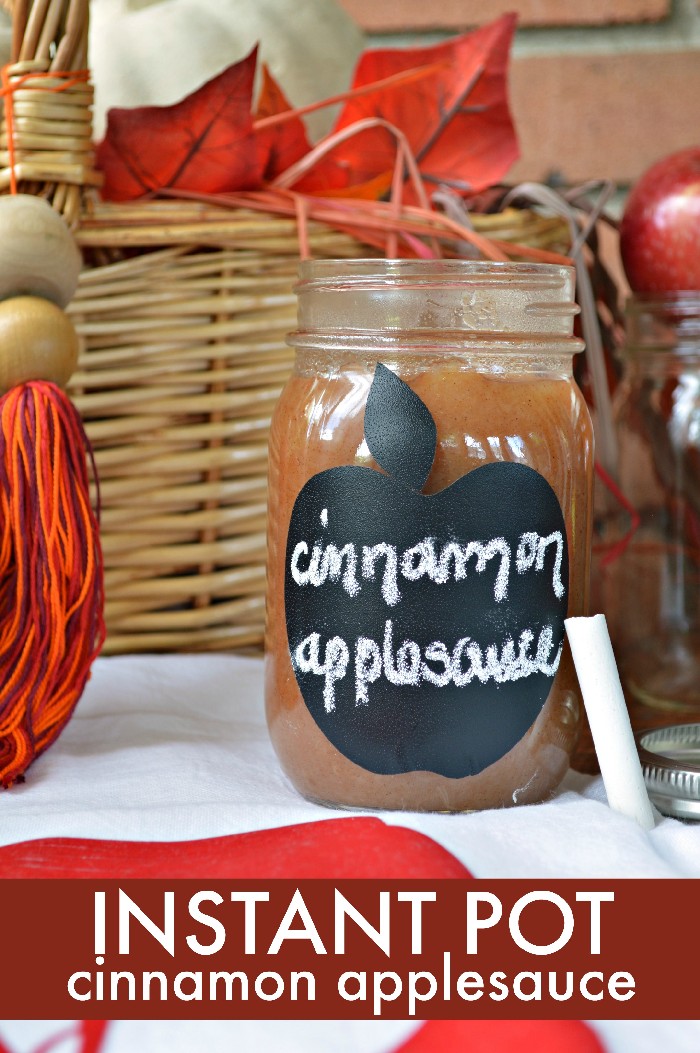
(175, 748)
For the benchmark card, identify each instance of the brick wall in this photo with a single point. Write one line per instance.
(599, 88)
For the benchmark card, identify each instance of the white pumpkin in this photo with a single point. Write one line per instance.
(5, 36)
(155, 52)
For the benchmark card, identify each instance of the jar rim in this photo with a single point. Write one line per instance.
(663, 322)
(680, 302)
(366, 270)
(439, 302)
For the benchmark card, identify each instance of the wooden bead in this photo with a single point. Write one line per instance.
(37, 342)
(38, 254)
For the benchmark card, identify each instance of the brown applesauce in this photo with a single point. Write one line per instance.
(497, 380)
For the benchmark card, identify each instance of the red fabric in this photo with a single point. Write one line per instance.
(90, 1035)
(502, 1036)
(437, 1036)
(93, 1034)
(330, 848)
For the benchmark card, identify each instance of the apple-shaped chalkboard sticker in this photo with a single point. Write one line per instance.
(425, 630)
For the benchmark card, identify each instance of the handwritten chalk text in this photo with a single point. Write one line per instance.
(409, 665)
(452, 561)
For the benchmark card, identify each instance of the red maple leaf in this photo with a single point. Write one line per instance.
(205, 143)
(283, 143)
(457, 121)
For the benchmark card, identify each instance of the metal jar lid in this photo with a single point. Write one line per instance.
(670, 759)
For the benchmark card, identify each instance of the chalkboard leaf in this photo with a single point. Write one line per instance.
(399, 429)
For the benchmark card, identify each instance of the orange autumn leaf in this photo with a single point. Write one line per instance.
(330, 178)
(372, 190)
(457, 121)
(284, 143)
(204, 143)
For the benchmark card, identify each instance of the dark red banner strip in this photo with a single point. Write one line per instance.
(423, 949)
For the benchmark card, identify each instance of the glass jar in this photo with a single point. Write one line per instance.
(651, 558)
(429, 530)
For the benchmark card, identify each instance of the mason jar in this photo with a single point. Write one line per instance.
(429, 531)
(651, 554)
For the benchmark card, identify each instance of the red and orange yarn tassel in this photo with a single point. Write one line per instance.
(51, 579)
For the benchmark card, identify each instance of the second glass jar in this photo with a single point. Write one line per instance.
(650, 564)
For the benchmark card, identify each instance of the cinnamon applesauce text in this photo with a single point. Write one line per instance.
(440, 564)
(403, 662)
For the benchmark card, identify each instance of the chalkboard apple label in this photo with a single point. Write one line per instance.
(425, 630)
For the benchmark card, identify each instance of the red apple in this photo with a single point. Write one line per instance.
(660, 229)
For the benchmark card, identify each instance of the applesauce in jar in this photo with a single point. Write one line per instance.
(428, 533)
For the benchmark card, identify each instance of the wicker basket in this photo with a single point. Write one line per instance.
(183, 359)
(184, 356)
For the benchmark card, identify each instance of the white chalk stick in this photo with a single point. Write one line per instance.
(609, 720)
